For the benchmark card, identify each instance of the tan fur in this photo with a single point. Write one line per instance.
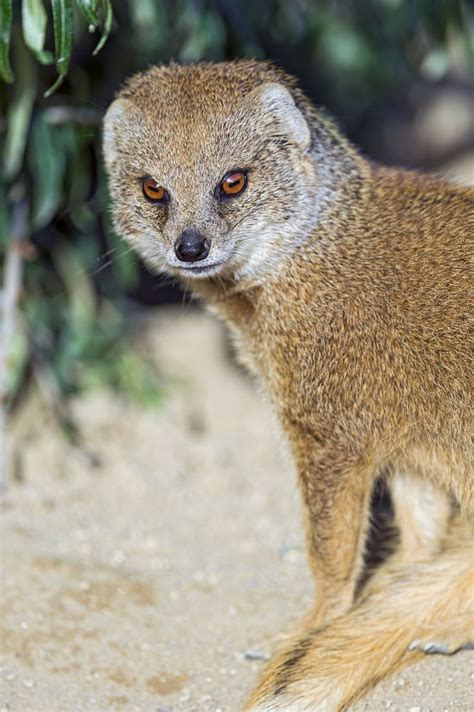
(349, 289)
(431, 600)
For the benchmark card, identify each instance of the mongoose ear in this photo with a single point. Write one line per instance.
(115, 125)
(278, 102)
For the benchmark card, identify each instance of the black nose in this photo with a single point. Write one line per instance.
(192, 246)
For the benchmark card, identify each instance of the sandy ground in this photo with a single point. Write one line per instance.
(160, 581)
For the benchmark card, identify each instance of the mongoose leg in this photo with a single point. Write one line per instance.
(336, 489)
(422, 512)
(330, 668)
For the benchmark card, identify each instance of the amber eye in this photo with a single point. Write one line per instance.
(153, 191)
(233, 183)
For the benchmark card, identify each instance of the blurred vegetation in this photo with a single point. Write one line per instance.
(62, 60)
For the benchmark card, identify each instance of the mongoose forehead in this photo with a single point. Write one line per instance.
(200, 91)
(186, 128)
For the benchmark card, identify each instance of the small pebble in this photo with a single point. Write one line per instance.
(256, 655)
(118, 558)
(28, 683)
(185, 695)
(414, 709)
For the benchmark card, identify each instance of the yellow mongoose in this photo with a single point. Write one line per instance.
(349, 286)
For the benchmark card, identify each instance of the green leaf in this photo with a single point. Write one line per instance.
(47, 164)
(73, 269)
(62, 22)
(5, 217)
(5, 32)
(136, 379)
(76, 145)
(44, 57)
(34, 22)
(18, 355)
(126, 266)
(19, 113)
(91, 11)
(108, 17)
(149, 22)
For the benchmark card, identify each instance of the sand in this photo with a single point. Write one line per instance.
(160, 580)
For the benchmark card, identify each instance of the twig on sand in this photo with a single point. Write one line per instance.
(13, 273)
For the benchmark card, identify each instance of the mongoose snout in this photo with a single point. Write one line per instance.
(192, 246)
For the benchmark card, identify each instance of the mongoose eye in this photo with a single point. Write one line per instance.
(152, 191)
(233, 183)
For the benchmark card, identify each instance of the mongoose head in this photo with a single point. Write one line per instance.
(211, 169)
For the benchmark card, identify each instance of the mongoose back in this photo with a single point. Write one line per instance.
(349, 288)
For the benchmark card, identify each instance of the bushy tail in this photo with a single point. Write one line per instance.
(427, 606)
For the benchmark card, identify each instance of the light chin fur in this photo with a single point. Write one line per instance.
(197, 275)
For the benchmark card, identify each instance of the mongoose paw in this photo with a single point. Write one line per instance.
(439, 647)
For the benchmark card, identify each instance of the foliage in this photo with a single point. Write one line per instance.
(70, 327)
(75, 308)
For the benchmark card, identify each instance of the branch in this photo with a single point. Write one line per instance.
(13, 272)
(57, 115)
